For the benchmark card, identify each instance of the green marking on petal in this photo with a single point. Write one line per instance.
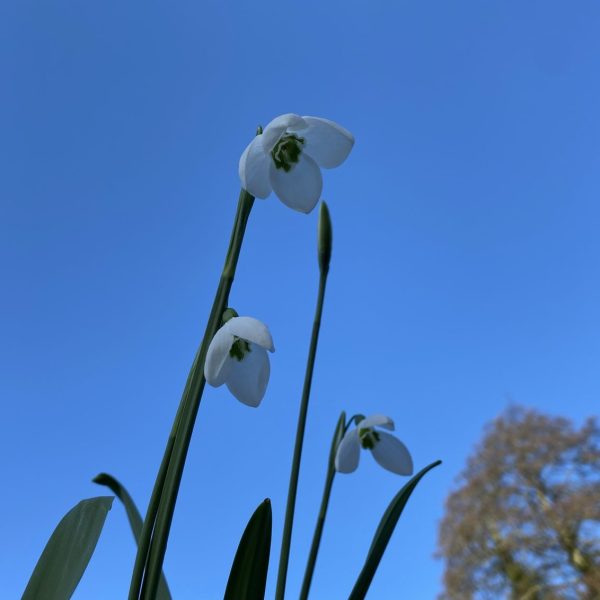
(368, 437)
(239, 349)
(287, 151)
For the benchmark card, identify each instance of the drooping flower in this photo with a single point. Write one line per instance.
(237, 356)
(286, 158)
(387, 450)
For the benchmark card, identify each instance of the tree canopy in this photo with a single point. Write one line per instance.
(524, 520)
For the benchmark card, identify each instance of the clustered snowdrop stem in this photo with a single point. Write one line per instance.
(285, 159)
(338, 434)
(157, 524)
(324, 239)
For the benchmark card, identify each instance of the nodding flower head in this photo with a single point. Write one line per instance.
(387, 450)
(287, 157)
(237, 356)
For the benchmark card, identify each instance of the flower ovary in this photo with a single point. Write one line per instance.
(229, 314)
(239, 349)
(368, 437)
(287, 151)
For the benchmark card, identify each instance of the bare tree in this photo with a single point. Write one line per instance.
(524, 520)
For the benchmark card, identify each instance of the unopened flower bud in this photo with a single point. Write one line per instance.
(325, 236)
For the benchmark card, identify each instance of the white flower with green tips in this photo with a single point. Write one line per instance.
(387, 450)
(237, 356)
(288, 156)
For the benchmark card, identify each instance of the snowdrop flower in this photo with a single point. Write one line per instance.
(237, 356)
(286, 158)
(387, 450)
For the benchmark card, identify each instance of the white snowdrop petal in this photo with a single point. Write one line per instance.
(254, 169)
(392, 454)
(327, 142)
(276, 128)
(217, 355)
(348, 453)
(377, 421)
(300, 188)
(252, 330)
(248, 378)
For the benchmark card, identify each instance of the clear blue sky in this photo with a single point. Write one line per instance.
(464, 275)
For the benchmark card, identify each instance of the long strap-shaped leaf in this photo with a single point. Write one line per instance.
(68, 551)
(135, 521)
(248, 577)
(384, 533)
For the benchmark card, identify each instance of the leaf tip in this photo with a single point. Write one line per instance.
(100, 479)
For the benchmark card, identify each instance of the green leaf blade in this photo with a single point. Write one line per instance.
(68, 551)
(118, 489)
(384, 533)
(135, 521)
(248, 576)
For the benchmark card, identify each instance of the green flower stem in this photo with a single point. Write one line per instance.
(155, 533)
(148, 525)
(338, 434)
(291, 500)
